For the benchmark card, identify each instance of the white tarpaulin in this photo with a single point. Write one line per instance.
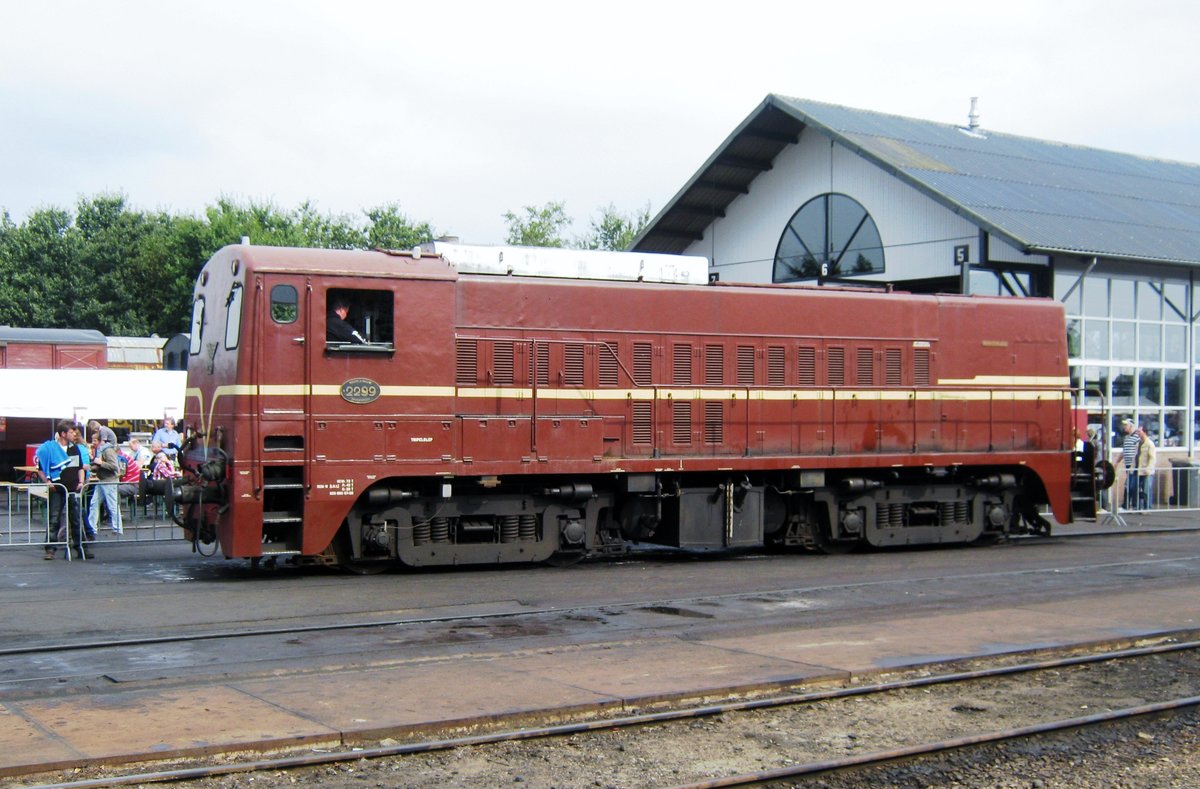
(92, 394)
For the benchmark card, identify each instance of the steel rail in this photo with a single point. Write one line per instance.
(689, 713)
(943, 746)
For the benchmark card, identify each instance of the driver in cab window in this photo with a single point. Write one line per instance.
(338, 329)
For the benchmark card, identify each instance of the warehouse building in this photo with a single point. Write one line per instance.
(808, 192)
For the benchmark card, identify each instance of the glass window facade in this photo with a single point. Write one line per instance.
(1133, 346)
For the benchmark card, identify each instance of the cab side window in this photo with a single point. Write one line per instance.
(359, 321)
(284, 304)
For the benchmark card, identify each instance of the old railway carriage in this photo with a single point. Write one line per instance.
(497, 418)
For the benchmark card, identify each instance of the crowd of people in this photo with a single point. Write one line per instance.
(97, 472)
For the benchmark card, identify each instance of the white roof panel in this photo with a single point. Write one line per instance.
(572, 263)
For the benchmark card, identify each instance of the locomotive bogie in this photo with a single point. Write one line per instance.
(480, 527)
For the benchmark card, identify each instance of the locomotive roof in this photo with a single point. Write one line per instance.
(770, 289)
(409, 265)
(440, 260)
(360, 263)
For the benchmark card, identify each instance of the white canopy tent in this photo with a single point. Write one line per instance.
(92, 394)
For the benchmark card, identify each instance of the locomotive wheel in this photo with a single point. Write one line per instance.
(345, 557)
(824, 543)
(565, 558)
(363, 568)
(833, 547)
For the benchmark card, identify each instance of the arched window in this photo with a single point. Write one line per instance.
(831, 235)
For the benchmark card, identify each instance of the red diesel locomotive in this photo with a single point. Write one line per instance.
(495, 418)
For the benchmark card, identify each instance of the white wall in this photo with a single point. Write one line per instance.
(918, 234)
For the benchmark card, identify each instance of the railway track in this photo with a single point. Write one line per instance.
(728, 722)
(934, 749)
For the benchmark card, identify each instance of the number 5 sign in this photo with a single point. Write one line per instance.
(962, 254)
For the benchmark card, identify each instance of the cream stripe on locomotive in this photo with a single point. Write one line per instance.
(668, 394)
(649, 393)
(1007, 380)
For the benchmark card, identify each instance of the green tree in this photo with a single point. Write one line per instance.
(389, 228)
(264, 224)
(327, 232)
(160, 274)
(37, 257)
(10, 296)
(109, 240)
(539, 227)
(614, 230)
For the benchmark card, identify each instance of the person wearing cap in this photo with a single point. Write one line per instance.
(1129, 453)
(1147, 459)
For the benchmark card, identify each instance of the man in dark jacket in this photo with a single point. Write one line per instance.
(62, 464)
(338, 329)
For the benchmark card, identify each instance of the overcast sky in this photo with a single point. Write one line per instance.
(460, 111)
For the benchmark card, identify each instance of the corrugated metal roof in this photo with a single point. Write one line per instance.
(135, 351)
(60, 336)
(1041, 196)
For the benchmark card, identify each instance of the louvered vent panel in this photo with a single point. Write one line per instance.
(920, 366)
(745, 365)
(643, 425)
(466, 360)
(681, 422)
(806, 367)
(502, 363)
(540, 365)
(643, 363)
(866, 367)
(573, 365)
(610, 369)
(714, 365)
(893, 367)
(837, 367)
(714, 423)
(681, 367)
(776, 366)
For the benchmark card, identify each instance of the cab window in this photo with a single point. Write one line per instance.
(194, 342)
(359, 321)
(233, 316)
